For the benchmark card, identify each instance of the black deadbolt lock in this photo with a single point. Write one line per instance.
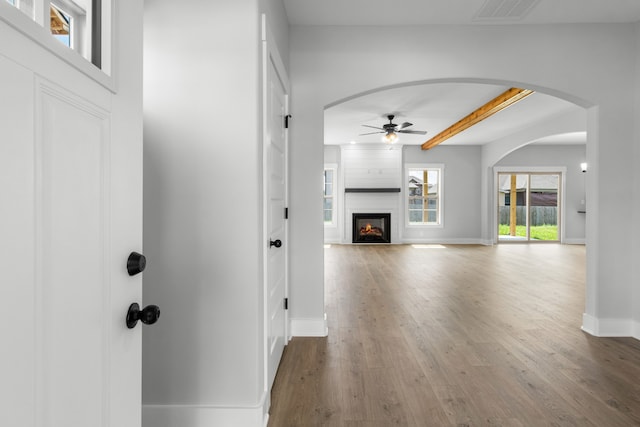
(276, 243)
(148, 315)
(136, 263)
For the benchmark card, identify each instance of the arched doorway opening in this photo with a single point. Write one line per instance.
(487, 153)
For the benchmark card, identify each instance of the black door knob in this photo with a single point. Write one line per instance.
(148, 315)
(136, 263)
(276, 243)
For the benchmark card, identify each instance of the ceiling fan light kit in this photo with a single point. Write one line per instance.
(390, 138)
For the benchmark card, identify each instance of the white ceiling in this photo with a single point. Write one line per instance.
(459, 12)
(435, 107)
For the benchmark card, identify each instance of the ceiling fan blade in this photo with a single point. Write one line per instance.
(370, 133)
(405, 125)
(374, 127)
(413, 132)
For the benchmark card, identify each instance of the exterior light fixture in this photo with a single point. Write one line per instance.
(583, 167)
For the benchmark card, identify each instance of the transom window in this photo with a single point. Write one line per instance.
(424, 195)
(76, 23)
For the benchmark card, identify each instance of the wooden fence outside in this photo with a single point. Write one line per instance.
(540, 215)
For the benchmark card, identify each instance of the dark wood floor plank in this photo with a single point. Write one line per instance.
(456, 336)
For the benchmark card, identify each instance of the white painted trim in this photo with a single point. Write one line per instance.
(36, 32)
(589, 324)
(561, 170)
(577, 241)
(444, 241)
(309, 327)
(336, 203)
(335, 241)
(615, 327)
(405, 195)
(610, 327)
(271, 55)
(205, 415)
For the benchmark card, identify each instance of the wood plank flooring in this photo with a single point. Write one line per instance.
(456, 336)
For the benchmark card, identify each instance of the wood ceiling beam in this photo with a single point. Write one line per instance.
(499, 103)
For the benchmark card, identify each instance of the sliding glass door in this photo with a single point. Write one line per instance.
(528, 207)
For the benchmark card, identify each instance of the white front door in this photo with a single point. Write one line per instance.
(275, 180)
(70, 215)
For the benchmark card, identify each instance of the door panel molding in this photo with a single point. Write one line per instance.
(72, 170)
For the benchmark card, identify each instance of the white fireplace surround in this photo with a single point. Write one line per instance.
(371, 167)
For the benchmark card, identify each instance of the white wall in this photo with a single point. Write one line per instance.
(461, 194)
(377, 166)
(204, 360)
(593, 65)
(636, 190)
(565, 156)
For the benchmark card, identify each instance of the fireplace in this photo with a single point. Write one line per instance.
(371, 228)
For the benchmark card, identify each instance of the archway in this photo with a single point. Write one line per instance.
(500, 147)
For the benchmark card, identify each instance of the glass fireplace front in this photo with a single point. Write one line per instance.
(372, 228)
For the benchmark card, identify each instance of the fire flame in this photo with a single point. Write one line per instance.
(367, 228)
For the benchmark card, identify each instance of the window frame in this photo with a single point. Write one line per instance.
(30, 20)
(334, 207)
(439, 168)
(80, 27)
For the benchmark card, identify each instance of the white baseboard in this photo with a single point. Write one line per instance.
(589, 324)
(574, 241)
(205, 416)
(443, 241)
(309, 327)
(610, 327)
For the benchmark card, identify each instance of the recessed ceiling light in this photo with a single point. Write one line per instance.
(352, 142)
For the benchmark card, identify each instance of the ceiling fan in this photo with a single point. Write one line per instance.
(391, 130)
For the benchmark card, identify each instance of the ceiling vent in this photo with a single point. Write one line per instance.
(504, 10)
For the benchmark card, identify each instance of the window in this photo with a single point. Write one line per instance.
(329, 199)
(424, 195)
(62, 25)
(69, 24)
(26, 6)
(75, 23)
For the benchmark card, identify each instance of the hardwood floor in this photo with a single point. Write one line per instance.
(456, 336)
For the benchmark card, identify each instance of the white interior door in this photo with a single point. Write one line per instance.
(276, 85)
(71, 212)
